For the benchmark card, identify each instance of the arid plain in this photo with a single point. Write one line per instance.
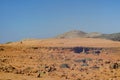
(60, 59)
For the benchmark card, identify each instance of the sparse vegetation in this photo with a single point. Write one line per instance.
(64, 66)
(43, 60)
(1, 49)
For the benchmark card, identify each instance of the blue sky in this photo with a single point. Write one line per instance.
(21, 19)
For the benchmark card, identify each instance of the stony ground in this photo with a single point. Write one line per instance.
(53, 59)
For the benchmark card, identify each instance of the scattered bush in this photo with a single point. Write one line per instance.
(1, 49)
(84, 64)
(64, 66)
(95, 67)
(83, 60)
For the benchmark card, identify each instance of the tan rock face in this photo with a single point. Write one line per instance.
(60, 59)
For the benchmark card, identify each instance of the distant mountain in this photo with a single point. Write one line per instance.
(79, 34)
(114, 36)
(72, 34)
(93, 34)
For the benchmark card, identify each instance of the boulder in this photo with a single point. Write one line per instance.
(115, 65)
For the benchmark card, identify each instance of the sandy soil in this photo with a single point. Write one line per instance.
(44, 59)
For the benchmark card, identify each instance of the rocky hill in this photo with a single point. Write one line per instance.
(114, 36)
(72, 34)
(79, 34)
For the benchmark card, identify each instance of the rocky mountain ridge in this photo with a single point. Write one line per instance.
(79, 34)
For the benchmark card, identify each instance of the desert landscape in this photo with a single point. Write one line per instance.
(60, 59)
(59, 39)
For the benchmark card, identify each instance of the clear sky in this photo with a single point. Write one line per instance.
(21, 19)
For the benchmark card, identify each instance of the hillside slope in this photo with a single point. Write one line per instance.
(81, 34)
(72, 34)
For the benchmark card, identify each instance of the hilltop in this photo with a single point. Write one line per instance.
(72, 34)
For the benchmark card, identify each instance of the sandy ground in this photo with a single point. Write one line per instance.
(39, 60)
(88, 42)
